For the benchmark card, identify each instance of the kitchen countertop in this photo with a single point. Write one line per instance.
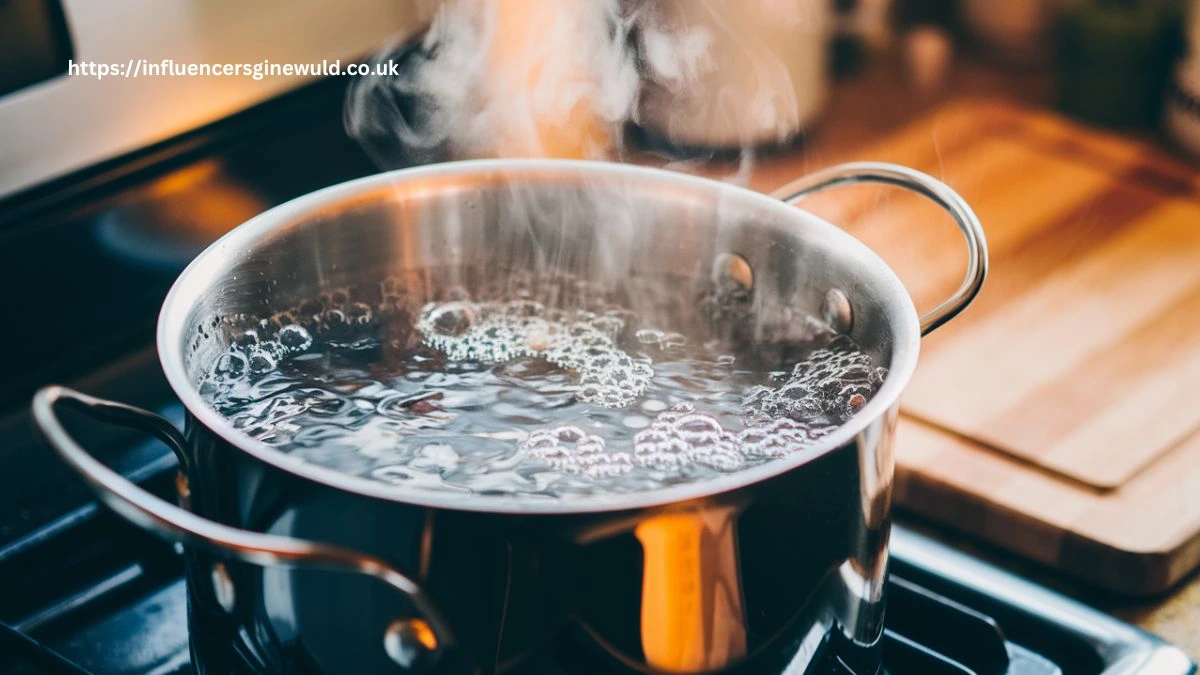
(867, 107)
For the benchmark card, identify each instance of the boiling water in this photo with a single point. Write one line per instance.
(514, 397)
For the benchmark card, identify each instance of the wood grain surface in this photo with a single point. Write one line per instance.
(1058, 416)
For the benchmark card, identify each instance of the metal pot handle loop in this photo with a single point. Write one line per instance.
(177, 524)
(931, 188)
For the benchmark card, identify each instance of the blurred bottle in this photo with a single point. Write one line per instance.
(728, 74)
(849, 46)
(1018, 32)
(1114, 58)
(927, 42)
(862, 27)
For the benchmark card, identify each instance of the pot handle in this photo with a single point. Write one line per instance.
(174, 523)
(910, 179)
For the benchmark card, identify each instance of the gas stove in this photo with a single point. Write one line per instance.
(82, 592)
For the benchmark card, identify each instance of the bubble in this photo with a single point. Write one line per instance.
(611, 466)
(673, 413)
(722, 459)
(582, 343)
(247, 339)
(673, 340)
(261, 361)
(269, 325)
(274, 348)
(680, 438)
(333, 323)
(571, 450)
(660, 340)
(359, 314)
(610, 326)
(697, 426)
(294, 338)
(828, 386)
(230, 364)
(778, 438)
(660, 453)
(653, 405)
(636, 421)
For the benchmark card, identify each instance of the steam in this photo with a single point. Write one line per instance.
(530, 78)
(492, 78)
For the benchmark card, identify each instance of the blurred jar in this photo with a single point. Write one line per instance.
(1183, 96)
(1114, 58)
(728, 74)
(1020, 32)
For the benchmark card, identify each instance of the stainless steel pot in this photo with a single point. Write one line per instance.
(297, 568)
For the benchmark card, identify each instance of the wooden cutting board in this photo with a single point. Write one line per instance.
(1060, 415)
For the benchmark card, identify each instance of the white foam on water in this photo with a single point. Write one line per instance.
(832, 383)
(571, 450)
(581, 342)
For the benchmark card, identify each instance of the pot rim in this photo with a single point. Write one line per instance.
(208, 268)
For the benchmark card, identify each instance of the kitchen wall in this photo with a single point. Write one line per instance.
(70, 122)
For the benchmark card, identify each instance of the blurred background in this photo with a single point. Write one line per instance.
(825, 72)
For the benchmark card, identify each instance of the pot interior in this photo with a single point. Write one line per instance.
(668, 245)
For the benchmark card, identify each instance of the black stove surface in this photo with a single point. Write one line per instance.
(86, 261)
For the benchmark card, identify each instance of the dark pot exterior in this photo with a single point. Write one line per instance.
(544, 593)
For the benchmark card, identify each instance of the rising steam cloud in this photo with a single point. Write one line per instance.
(518, 78)
(527, 78)
(534, 78)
